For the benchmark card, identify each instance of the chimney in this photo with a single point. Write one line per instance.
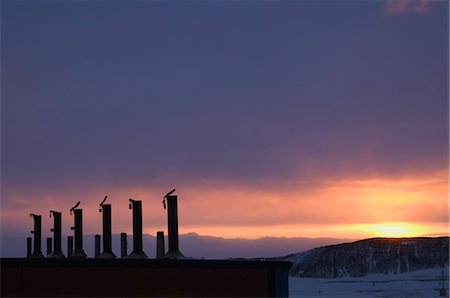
(97, 245)
(69, 246)
(57, 251)
(172, 216)
(37, 253)
(123, 245)
(137, 253)
(78, 232)
(29, 247)
(160, 251)
(107, 231)
(49, 246)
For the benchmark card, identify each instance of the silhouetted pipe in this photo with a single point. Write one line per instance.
(49, 246)
(69, 246)
(78, 234)
(172, 218)
(57, 250)
(97, 245)
(160, 251)
(37, 253)
(137, 252)
(107, 232)
(29, 247)
(123, 245)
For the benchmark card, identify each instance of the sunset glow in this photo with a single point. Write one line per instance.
(354, 208)
(270, 118)
(398, 229)
(357, 231)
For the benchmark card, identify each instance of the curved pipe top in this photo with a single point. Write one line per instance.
(130, 206)
(100, 209)
(168, 194)
(73, 208)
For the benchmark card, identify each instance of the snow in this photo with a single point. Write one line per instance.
(422, 283)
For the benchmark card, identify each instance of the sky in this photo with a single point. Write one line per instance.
(270, 118)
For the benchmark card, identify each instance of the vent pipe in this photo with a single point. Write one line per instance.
(107, 231)
(69, 246)
(78, 232)
(172, 218)
(97, 245)
(49, 246)
(29, 247)
(57, 251)
(137, 253)
(160, 251)
(123, 245)
(37, 253)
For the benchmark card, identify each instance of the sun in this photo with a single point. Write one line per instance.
(395, 229)
(389, 229)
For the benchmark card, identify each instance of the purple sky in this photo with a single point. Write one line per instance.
(101, 95)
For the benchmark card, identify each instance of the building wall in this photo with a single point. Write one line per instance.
(134, 278)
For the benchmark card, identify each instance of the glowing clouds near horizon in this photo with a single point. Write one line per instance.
(392, 229)
(351, 208)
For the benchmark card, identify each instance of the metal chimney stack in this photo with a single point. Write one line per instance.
(29, 247)
(137, 253)
(57, 251)
(97, 246)
(172, 216)
(78, 232)
(69, 246)
(49, 246)
(160, 251)
(107, 231)
(37, 253)
(123, 245)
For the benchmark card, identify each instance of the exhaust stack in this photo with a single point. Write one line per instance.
(137, 253)
(57, 251)
(172, 216)
(160, 251)
(123, 245)
(78, 232)
(49, 246)
(37, 253)
(97, 246)
(69, 246)
(107, 233)
(29, 247)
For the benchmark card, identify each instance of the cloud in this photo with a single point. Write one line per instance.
(230, 208)
(73, 126)
(395, 7)
(248, 112)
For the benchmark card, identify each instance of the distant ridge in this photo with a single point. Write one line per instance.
(191, 244)
(375, 255)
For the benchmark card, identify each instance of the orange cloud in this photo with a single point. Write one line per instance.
(339, 208)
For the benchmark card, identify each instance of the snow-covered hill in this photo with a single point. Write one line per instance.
(378, 255)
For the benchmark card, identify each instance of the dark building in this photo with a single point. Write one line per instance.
(143, 278)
